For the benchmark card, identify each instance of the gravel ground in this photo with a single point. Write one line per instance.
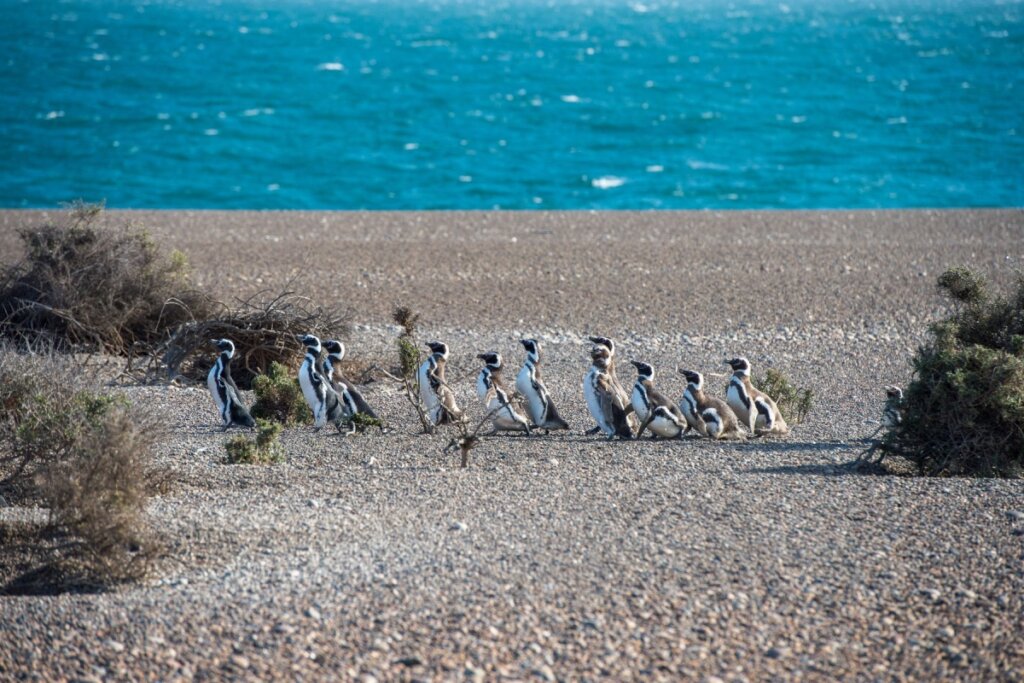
(565, 556)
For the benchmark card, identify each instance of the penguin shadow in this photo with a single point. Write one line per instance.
(826, 469)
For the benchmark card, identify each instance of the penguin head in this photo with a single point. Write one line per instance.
(643, 370)
(600, 356)
(894, 393)
(492, 359)
(532, 347)
(605, 342)
(335, 349)
(693, 378)
(739, 365)
(439, 348)
(311, 342)
(224, 346)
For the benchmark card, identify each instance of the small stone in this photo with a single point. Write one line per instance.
(946, 632)
(1016, 515)
(553, 461)
(545, 673)
(312, 503)
(457, 526)
(777, 652)
(240, 661)
(931, 593)
(115, 646)
(410, 661)
(313, 613)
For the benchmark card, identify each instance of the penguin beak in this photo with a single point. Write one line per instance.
(636, 364)
(482, 356)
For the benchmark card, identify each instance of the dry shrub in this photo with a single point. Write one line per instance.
(98, 498)
(263, 450)
(279, 397)
(84, 455)
(963, 413)
(83, 286)
(794, 402)
(264, 329)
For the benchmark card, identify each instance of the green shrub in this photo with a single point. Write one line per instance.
(794, 402)
(964, 408)
(263, 450)
(279, 397)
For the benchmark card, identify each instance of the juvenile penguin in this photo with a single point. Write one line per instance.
(606, 404)
(708, 415)
(321, 398)
(347, 391)
(608, 344)
(437, 396)
(491, 390)
(755, 409)
(892, 414)
(223, 389)
(653, 408)
(528, 382)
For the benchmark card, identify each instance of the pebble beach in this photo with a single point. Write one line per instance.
(567, 557)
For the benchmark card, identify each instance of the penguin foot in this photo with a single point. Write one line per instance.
(591, 432)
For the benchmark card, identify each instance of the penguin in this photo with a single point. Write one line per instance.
(892, 414)
(345, 389)
(604, 400)
(321, 398)
(756, 410)
(653, 408)
(437, 396)
(529, 384)
(708, 415)
(491, 391)
(224, 390)
(608, 344)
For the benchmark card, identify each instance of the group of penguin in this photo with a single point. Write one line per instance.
(618, 414)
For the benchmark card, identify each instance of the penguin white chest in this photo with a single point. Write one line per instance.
(663, 425)
(212, 383)
(427, 394)
(689, 409)
(594, 400)
(640, 402)
(309, 391)
(534, 400)
(736, 397)
(482, 384)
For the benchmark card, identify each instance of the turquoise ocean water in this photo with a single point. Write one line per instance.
(476, 104)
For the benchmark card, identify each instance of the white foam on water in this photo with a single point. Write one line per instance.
(50, 116)
(655, 168)
(163, 116)
(411, 146)
(211, 132)
(698, 165)
(273, 187)
(465, 178)
(571, 99)
(608, 182)
(330, 66)
(896, 120)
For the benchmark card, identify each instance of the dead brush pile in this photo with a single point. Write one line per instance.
(265, 329)
(85, 456)
(963, 412)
